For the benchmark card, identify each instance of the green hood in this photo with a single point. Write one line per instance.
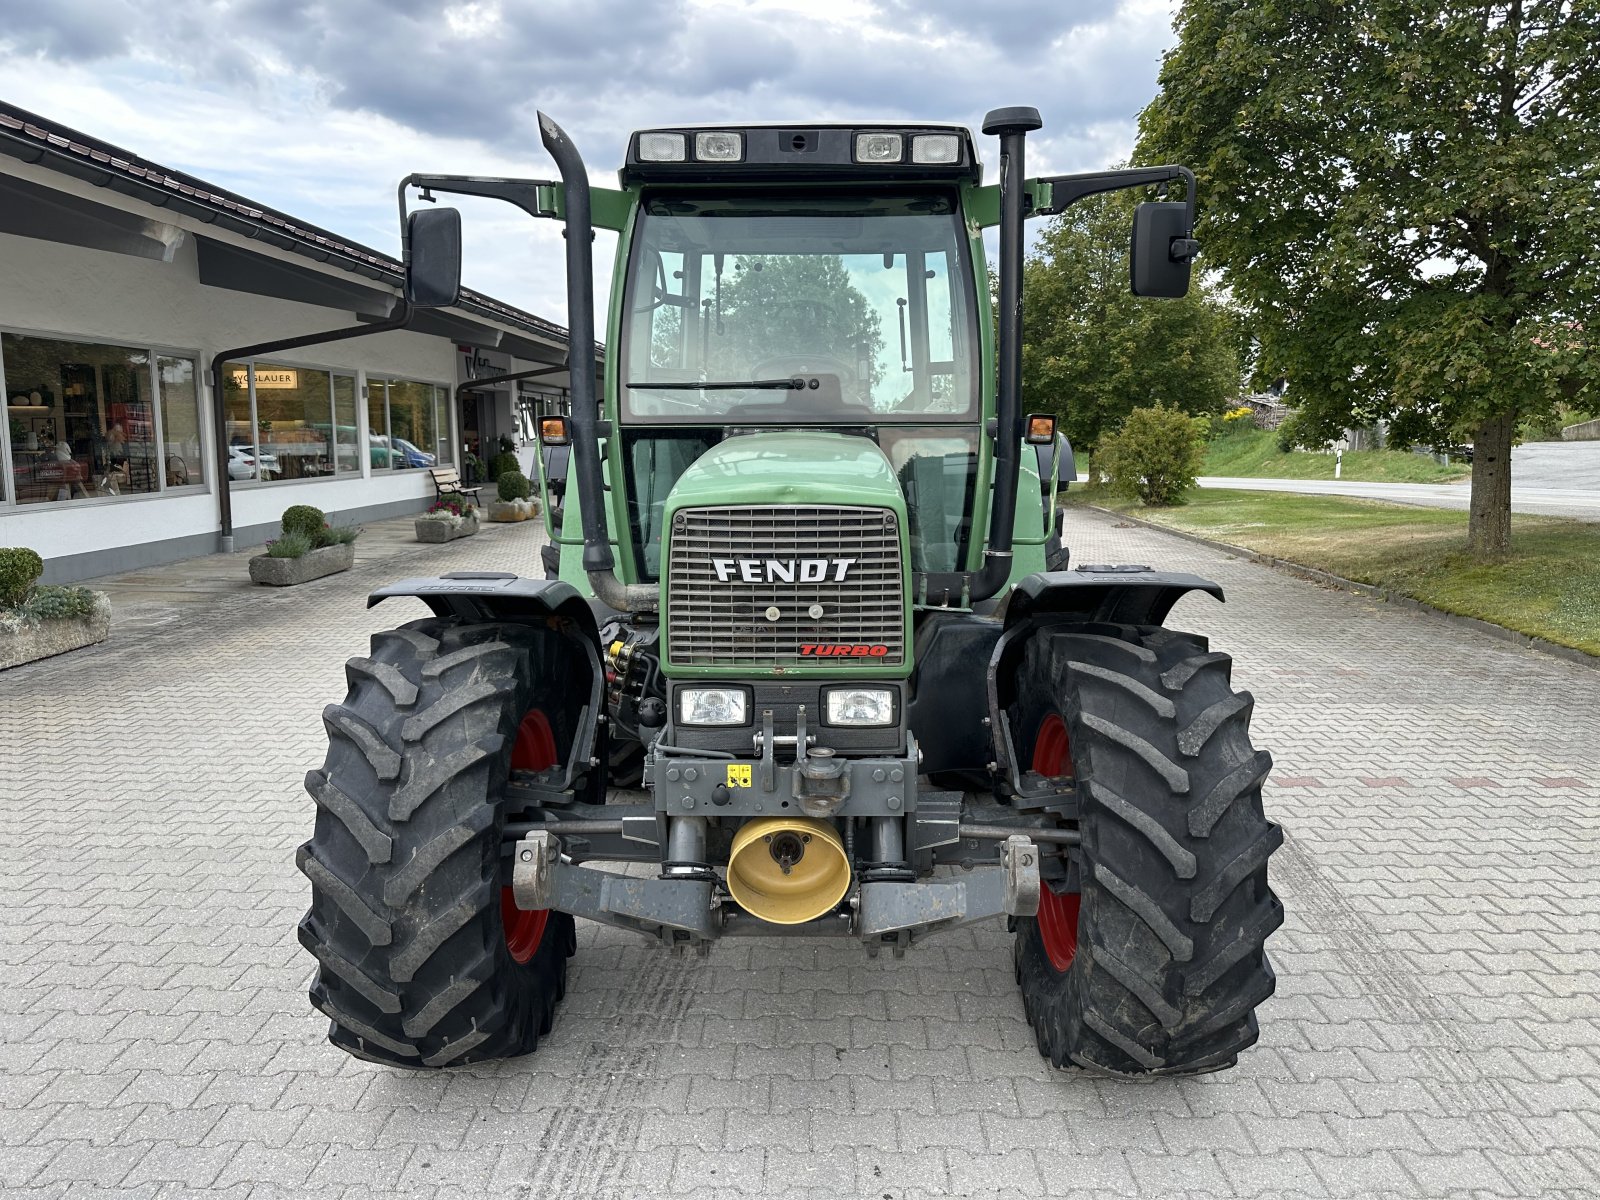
(792, 467)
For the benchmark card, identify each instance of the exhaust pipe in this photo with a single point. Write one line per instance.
(597, 558)
(788, 870)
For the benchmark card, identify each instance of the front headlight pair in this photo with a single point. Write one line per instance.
(854, 706)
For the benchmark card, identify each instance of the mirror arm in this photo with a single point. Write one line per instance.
(1067, 190)
(524, 193)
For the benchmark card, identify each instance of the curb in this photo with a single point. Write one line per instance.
(1400, 600)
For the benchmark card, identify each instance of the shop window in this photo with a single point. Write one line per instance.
(408, 424)
(289, 422)
(87, 420)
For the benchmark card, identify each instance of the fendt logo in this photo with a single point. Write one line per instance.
(781, 570)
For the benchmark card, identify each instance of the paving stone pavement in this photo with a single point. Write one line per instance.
(1436, 1029)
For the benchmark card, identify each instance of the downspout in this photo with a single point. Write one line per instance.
(219, 409)
(598, 561)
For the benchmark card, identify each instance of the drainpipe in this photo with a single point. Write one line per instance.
(219, 409)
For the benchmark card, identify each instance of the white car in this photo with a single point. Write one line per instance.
(243, 460)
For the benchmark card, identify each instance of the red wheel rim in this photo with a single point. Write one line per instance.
(534, 750)
(1058, 911)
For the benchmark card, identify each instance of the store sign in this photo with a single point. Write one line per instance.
(480, 364)
(268, 378)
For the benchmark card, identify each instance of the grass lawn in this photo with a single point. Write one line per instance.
(1254, 453)
(1548, 588)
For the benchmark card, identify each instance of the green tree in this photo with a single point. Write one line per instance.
(1406, 197)
(1092, 351)
(776, 305)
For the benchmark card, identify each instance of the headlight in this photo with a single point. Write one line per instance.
(861, 706)
(719, 147)
(879, 147)
(712, 706)
(661, 147)
(936, 148)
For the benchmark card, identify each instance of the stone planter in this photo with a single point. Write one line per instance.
(513, 510)
(286, 572)
(49, 638)
(446, 529)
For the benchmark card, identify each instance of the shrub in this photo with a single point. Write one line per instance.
(305, 520)
(51, 603)
(513, 485)
(1156, 455)
(502, 463)
(290, 545)
(20, 567)
(342, 535)
(504, 444)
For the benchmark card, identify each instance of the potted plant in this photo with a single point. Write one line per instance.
(39, 620)
(308, 549)
(514, 504)
(471, 467)
(449, 518)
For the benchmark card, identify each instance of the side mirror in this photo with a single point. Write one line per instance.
(433, 258)
(1161, 249)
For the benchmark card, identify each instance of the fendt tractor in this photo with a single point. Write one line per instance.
(803, 584)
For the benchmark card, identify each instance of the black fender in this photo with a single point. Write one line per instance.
(503, 596)
(496, 596)
(1123, 595)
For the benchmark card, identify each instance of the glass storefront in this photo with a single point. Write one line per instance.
(289, 422)
(408, 424)
(89, 420)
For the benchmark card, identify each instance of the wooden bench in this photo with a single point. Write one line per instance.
(447, 482)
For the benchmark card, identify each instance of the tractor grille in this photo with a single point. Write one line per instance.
(718, 617)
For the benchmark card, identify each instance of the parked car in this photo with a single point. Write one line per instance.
(384, 451)
(243, 461)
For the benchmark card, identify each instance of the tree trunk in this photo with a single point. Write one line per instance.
(1489, 521)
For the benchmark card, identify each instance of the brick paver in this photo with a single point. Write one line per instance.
(1436, 1029)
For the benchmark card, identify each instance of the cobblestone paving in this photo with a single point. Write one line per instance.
(1436, 1029)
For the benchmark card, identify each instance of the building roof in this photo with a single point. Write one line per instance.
(35, 139)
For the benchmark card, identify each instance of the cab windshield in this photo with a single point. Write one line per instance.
(774, 310)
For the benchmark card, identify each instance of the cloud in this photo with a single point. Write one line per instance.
(318, 108)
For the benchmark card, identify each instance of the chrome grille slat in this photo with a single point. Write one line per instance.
(716, 623)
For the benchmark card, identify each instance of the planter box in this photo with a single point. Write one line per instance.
(446, 529)
(286, 572)
(512, 510)
(50, 638)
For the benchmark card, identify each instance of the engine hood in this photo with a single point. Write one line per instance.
(791, 467)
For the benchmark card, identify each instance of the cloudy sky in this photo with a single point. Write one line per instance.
(318, 107)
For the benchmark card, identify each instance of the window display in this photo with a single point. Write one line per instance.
(408, 424)
(288, 422)
(85, 420)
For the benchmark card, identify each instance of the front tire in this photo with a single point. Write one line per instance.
(422, 960)
(1148, 953)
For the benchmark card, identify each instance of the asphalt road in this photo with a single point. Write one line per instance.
(1555, 479)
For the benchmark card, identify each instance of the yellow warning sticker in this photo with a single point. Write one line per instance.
(738, 774)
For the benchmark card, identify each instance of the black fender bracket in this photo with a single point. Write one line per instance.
(1123, 595)
(496, 596)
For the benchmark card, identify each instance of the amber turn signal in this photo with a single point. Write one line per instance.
(553, 431)
(1041, 429)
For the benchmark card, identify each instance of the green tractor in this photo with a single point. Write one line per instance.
(807, 587)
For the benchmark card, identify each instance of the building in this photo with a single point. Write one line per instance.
(120, 280)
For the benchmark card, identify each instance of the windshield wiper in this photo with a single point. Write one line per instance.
(724, 385)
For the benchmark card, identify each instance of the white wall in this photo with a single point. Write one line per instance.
(91, 295)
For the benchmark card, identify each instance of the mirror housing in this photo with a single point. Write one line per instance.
(1161, 249)
(433, 257)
